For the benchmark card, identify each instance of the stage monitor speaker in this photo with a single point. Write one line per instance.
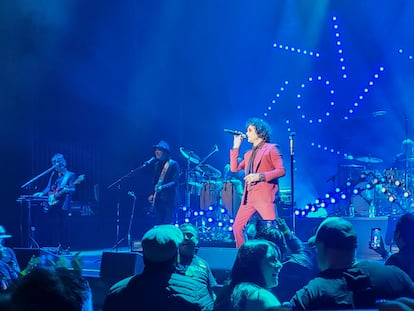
(117, 266)
(220, 260)
(23, 256)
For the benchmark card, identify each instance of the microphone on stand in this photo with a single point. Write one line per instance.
(292, 152)
(148, 162)
(234, 132)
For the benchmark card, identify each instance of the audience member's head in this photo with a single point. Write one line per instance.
(335, 241)
(52, 289)
(257, 262)
(404, 232)
(160, 245)
(190, 242)
(399, 304)
(273, 234)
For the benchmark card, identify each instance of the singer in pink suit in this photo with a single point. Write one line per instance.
(263, 166)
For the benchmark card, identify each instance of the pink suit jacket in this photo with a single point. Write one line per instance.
(268, 161)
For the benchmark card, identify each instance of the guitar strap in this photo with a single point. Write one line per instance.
(65, 179)
(163, 172)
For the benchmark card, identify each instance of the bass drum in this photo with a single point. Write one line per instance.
(231, 196)
(210, 194)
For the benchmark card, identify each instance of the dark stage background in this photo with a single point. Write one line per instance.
(102, 81)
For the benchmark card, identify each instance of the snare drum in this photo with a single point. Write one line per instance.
(210, 194)
(231, 196)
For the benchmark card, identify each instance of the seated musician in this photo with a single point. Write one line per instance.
(59, 190)
(403, 160)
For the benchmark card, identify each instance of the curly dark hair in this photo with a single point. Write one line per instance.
(263, 129)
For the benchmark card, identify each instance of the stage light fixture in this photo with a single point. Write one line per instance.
(392, 198)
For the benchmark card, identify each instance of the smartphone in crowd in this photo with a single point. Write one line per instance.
(375, 239)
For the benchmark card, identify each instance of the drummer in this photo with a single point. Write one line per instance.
(405, 159)
(229, 175)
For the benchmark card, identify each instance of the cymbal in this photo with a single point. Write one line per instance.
(210, 171)
(352, 165)
(406, 159)
(190, 155)
(369, 159)
(348, 157)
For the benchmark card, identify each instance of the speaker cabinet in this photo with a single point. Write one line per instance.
(117, 266)
(220, 260)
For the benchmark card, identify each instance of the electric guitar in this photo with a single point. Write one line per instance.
(53, 198)
(151, 209)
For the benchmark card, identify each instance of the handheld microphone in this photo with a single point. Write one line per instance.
(233, 132)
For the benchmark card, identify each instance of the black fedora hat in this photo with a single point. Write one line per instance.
(162, 145)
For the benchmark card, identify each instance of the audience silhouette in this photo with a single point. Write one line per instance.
(345, 283)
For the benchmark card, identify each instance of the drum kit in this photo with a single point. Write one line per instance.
(374, 192)
(211, 201)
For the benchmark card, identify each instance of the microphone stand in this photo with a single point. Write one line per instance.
(215, 149)
(131, 218)
(117, 183)
(37, 177)
(292, 178)
(30, 229)
(407, 178)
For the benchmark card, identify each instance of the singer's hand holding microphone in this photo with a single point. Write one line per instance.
(237, 137)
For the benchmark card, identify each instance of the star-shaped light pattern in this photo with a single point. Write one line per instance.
(292, 49)
(331, 109)
(327, 85)
(339, 47)
(409, 56)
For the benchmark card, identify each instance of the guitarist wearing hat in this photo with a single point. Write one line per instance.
(59, 190)
(166, 175)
